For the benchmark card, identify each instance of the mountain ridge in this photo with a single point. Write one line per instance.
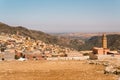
(83, 35)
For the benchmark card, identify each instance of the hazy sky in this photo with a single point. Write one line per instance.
(62, 15)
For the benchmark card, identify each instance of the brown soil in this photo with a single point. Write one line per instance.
(52, 70)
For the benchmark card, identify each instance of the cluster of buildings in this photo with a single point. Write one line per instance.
(16, 46)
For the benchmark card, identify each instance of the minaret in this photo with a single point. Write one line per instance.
(17, 33)
(104, 41)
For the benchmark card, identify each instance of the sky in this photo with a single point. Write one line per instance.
(57, 16)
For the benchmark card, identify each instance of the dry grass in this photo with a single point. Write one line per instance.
(52, 70)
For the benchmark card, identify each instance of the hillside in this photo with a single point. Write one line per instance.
(96, 41)
(90, 40)
(26, 32)
(39, 35)
(85, 41)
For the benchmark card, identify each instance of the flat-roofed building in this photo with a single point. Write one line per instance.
(103, 50)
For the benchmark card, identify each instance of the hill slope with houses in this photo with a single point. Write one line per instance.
(17, 46)
(18, 42)
(77, 41)
(39, 35)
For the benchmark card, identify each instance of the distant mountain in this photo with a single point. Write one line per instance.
(84, 36)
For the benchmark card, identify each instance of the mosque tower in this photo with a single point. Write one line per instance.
(104, 50)
(17, 33)
(104, 41)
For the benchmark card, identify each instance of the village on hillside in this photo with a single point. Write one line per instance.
(16, 46)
